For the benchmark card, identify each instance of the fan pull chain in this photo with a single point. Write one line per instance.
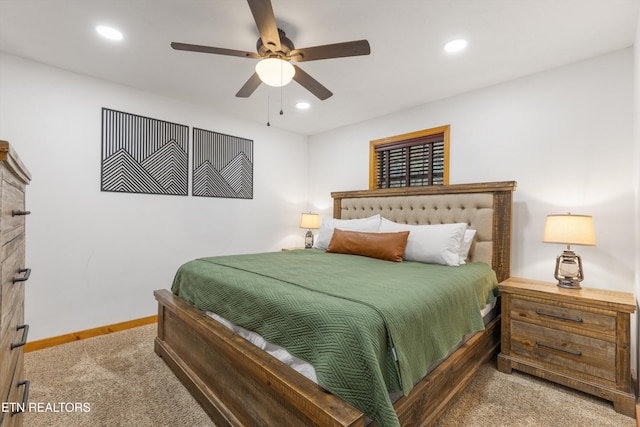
(281, 112)
(281, 71)
(268, 105)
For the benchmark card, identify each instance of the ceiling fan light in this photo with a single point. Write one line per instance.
(275, 72)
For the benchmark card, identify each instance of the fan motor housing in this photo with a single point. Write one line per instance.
(285, 43)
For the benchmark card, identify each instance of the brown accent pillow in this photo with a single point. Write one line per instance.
(387, 246)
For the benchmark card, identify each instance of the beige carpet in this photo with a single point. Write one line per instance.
(123, 382)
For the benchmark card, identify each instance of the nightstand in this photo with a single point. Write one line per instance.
(579, 338)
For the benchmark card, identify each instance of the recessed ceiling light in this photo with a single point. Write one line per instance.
(455, 46)
(109, 32)
(303, 105)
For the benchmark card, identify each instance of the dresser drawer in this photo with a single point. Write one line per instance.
(17, 396)
(12, 200)
(11, 294)
(564, 351)
(9, 356)
(565, 316)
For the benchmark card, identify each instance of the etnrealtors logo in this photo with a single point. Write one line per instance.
(66, 407)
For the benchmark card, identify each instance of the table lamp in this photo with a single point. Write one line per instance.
(309, 221)
(570, 230)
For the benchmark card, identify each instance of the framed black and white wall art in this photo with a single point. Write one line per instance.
(143, 155)
(222, 165)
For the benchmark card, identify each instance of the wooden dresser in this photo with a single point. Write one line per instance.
(13, 332)
(579, 338)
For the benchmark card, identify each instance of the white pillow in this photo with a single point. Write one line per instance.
(370, 224)
(465, 246)
(432, 244)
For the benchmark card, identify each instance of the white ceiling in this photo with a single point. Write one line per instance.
(407, 66)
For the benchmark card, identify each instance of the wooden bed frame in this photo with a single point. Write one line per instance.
(238, 384)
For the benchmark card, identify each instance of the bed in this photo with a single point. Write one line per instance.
(238, 384)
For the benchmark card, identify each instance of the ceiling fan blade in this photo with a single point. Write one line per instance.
(211, 49)
(337, 50)
(266, 22)
(311, 84)
(250, 86)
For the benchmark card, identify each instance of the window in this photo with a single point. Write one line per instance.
(410, 160)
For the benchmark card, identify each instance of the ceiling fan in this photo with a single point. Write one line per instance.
(276, 50)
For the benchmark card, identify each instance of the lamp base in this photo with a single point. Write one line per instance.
(569, 284)
(569, 270)
(308, 240)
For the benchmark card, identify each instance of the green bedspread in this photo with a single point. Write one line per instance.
(346, 314)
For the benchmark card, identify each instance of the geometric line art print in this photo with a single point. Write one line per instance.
(143, 155)
(222, 165)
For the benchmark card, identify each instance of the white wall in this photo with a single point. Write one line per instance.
(97, 256)
(565, 136)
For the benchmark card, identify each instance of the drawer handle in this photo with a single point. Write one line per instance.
(25, 397)
(557, 316)
(575, 353)
(25, 277)
(25, 332)
(18, 212)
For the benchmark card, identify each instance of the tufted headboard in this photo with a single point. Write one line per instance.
(485, 207)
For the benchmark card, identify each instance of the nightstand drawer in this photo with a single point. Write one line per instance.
(565, 316)
(564, 350)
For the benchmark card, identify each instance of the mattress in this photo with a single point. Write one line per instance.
(305, 368)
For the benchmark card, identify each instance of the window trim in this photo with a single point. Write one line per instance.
(373, 175)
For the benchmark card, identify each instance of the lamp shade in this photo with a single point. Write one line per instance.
(310, 220)
(275, 72)
(569, 230)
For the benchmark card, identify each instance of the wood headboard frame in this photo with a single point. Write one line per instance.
(502, 201)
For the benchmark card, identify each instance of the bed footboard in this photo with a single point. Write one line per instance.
(235, 382)
(239, 385)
